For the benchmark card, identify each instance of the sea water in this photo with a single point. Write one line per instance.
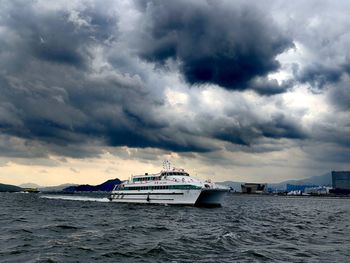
(85, 228)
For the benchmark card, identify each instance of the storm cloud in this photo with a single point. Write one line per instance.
(191, 77)
(215, 43)
(318, 75)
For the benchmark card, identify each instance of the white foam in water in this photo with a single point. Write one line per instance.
(75, 198)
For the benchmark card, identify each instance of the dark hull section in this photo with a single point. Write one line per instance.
(210, 198)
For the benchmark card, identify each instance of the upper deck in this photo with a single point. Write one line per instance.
(158, 176)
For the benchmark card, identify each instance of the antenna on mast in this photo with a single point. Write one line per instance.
(166, 165)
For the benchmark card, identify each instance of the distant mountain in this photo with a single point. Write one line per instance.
(29, 185)
(9, 188)
(57, 188)
(105, 187)
(325, 179)
(322, 180)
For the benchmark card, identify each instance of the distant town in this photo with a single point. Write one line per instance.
(338, 185)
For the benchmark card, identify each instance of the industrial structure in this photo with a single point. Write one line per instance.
(341, 182)
(253, 188)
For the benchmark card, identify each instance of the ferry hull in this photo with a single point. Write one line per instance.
(183, 197)
(198, 197)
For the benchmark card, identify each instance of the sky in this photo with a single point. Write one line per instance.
(252, 91)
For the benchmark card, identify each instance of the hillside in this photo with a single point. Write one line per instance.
(9, 188)
(56, 188)
(104, 187)
(29, 185)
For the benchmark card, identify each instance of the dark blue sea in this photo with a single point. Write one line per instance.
(35, 228)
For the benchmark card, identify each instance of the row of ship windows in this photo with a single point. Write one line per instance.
(175, 173)
(159, 187)
(146, 179)
(153, 178)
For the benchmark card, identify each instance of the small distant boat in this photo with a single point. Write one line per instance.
(31, 190)
(171, 187)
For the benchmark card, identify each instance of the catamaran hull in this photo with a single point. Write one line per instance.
(210, 197)
(198, 197)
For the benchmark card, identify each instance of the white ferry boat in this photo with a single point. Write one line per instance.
(170, 186)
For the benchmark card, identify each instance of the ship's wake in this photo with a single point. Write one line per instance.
(76, 198)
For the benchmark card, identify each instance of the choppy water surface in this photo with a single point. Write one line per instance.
(37, 228)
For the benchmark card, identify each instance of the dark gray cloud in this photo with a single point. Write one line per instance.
(339, 96)
(269, 87)
(214, 42)
(283, 127)
(241, 129)
(318, 75)
(54, 35)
